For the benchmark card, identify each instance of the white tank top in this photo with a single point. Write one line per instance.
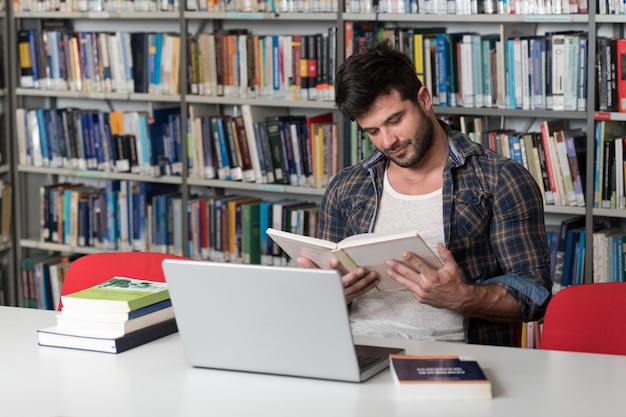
(394, 312)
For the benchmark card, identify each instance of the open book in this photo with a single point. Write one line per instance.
(369, 250)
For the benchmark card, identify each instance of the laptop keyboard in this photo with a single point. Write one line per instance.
(365, 361)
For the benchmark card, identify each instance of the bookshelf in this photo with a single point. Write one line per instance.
(7, 270)
(28, 179)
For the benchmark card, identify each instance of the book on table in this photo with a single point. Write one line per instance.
(118, 294)
(51, 336)
(439, 377)
(368, 250)
(85, 326)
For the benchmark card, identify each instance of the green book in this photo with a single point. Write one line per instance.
(119, 294)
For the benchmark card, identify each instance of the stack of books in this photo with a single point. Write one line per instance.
(114, 316)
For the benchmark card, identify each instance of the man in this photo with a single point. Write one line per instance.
(482, 212)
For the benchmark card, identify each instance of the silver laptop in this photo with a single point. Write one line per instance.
(276, 320)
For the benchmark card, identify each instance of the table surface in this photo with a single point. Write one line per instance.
(155, 380)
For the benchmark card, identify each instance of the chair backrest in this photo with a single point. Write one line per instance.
(93, 269)
(587, 318)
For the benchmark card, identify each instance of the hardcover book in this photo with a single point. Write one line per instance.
(51, 336)
(85, 326)
(369, 250)
(119, 294)
(440, 377)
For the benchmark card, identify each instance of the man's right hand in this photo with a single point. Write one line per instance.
(355, 283)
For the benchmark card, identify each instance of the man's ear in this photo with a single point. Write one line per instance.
(424, 98)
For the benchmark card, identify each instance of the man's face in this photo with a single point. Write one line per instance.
(398, 128)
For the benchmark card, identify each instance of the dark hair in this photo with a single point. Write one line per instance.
(375, 72)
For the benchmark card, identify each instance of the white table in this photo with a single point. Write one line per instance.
(154, 380)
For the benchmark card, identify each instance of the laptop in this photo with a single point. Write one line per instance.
(268, 319)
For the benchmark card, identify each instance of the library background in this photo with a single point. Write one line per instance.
(189, 128)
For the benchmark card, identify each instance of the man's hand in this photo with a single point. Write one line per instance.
(440, 288)
(355, 283)
(445, 288)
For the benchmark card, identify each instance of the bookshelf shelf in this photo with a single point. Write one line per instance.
(491, 112)
(320, 16)
(53, 247)
(100, 175)
(99, 15)
(465, 18)
(270, 188)
(599, 212)
(301, 104)
(66, 94)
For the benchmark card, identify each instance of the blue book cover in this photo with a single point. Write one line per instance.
(43, 135)
(112, 190)
(443, 69)
(98, 136)
(146, 149)
(516, 149)
(510, 73)
(156, 75)
(580, 266)
(265, 221)
(34, 57)
(159, 137)
(444, 375)
(54, 61)
(88, 140)
(87, 77)
(128, 61)
(219, 136)
(276, 58)
(537, 56)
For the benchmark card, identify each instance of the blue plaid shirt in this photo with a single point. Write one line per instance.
(493, 225)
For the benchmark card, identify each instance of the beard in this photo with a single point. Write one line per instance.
(416, 147)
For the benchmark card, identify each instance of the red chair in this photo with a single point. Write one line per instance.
(93, 269)
(587, 318)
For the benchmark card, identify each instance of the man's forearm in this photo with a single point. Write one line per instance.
(490, 302)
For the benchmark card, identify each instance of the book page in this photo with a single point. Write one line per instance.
(294, 245)
(373, 255)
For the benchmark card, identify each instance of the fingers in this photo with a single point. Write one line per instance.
(306, 263)
(358, 282)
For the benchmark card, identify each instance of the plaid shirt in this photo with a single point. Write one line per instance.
(493, 225)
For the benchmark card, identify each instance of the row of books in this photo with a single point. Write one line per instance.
(609, 256)
(259, 145)
(41, 279)
(263, 146)
(114, 316)
(466, 7)
(267, 6)
(610, 172)
(229, 63)
(567, 249)
(101, 141)
(115, 6)
(122, 215)
(233, 228)
(555, 156)
(611, 74)
(568, 245)
(511, 69)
